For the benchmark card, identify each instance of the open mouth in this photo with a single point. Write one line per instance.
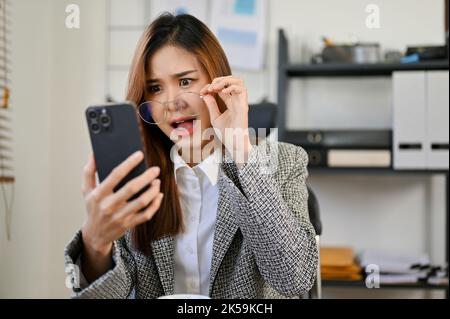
(184, 125)
(182, 120)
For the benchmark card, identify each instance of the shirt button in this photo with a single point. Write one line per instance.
(190, 250)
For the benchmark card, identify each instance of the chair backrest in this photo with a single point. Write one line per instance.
(314, 211)
(262, 115)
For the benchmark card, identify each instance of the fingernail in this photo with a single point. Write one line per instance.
(157, 181)
(211, 87)
(137, 154)
(155, 169)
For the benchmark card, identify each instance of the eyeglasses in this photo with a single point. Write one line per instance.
(185, 103)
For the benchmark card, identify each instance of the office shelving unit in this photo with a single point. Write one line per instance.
(287, 70)
(340, 69)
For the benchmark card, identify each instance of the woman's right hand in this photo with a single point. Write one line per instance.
(109, 214)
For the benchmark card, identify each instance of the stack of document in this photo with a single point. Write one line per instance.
(395, 268)
(338, 263)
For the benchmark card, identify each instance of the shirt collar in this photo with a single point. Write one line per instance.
(209, 166)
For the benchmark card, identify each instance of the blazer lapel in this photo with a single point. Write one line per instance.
(163, 250)
(225, 229)
(226, 225)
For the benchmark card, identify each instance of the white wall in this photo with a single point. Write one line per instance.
(58, 72)
(79, 82)
(24, 264)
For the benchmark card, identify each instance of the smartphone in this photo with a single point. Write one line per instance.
(115, 135)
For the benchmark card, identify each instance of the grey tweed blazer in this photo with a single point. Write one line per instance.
(263, 247)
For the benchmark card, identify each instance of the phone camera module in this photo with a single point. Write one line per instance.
(92, 114)
(105, 120)
(95, 128)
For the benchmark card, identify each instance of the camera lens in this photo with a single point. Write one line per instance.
(105, 120)
(92, 114)
(95, 128)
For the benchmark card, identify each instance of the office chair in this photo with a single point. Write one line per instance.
(314, 217)
(263, 115)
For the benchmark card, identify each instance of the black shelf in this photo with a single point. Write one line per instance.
(344, 69)
(340, 139)
(288, 70)
(361, 284)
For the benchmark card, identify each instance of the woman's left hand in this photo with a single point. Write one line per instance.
(233, 123)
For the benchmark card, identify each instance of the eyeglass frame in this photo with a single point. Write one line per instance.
(165, 106)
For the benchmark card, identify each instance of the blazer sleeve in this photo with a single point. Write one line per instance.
(116, 283)
(273, 216)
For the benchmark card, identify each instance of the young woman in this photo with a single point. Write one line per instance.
(215, 221)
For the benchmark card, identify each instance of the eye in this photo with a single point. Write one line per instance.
(185, 82)
(154, 89)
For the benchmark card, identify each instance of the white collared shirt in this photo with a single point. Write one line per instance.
(197, 187)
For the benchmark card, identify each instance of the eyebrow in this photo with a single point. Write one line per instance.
(176, 75)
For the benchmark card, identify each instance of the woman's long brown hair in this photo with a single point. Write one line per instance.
(189, 33)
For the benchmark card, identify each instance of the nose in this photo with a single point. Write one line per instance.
(171, 94)
(176, 103)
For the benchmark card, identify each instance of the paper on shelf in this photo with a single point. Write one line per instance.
(240, 26)
(394, 263)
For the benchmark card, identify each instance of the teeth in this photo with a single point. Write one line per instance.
(179, 122)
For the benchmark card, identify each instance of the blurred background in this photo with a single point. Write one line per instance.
(328, 66)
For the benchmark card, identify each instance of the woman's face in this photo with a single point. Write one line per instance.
(175, 79)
